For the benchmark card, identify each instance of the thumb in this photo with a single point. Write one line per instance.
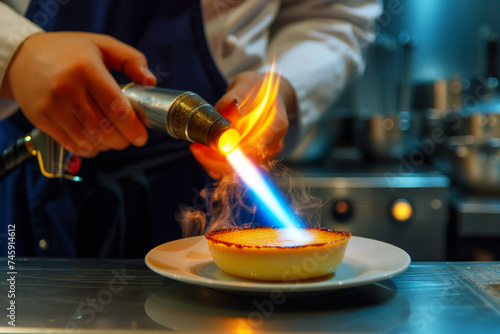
(124, 58)
(214, 163)
(228, 106)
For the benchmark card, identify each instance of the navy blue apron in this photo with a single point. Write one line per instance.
(127, 202)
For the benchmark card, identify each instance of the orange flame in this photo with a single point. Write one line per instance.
(228, 141)
(262, 109)
(227, 204)
(253, 127)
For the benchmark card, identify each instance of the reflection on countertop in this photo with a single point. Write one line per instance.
(124, 296)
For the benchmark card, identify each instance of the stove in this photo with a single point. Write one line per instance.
(474, 230)
(390, 202)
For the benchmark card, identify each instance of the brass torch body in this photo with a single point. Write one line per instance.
(181, 114)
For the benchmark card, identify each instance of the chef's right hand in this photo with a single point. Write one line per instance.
(62, 83)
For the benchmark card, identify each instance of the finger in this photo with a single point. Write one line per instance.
(103, 148)
(242, 88)
(214, 163)
(68, 122)
(228, 106)
(101, 128)
(60, 136)
(124, 58)
(91, 118)
(235, 103)
(114, 105)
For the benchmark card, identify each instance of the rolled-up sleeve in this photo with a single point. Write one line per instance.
(318, 45)
(14, 29)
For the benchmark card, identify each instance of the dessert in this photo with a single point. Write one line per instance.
(277, 254)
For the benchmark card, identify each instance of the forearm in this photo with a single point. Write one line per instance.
(318, 46)
(14, 29)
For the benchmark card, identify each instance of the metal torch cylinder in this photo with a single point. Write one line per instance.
(181, 114)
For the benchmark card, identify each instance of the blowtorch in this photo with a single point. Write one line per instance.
(180, 114)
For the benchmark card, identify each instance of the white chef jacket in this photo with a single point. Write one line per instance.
(317, 44)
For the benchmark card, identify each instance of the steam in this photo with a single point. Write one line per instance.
(228, 204)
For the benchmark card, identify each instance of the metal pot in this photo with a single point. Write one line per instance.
(480, 125)
(388, 137)
(472, 164)
(443, 94)
(458, 93)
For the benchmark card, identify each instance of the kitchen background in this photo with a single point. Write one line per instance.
(410, 154)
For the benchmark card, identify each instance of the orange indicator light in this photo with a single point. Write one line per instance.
(342, 207)
(228, 141)
(402, 210)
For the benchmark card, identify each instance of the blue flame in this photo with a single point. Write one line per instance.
(266, 194)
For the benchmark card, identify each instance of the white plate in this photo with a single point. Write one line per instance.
(188, 260)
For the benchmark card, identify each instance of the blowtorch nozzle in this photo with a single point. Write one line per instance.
(183, 115)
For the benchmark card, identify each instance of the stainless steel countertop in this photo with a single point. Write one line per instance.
(124, 296)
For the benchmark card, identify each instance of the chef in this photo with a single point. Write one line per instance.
(61, 64)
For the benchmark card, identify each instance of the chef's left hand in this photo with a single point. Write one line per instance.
(261, 147)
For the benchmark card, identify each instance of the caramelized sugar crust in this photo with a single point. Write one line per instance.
(270, 237)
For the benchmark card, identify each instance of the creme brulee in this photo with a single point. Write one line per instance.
(275, 254)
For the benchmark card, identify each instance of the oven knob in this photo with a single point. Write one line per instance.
(401, 210)
(342, 210)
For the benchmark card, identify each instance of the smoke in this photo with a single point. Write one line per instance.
(304, 204)
(229, 204)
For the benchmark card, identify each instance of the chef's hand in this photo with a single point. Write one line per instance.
(62, 83)
(266, 144)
